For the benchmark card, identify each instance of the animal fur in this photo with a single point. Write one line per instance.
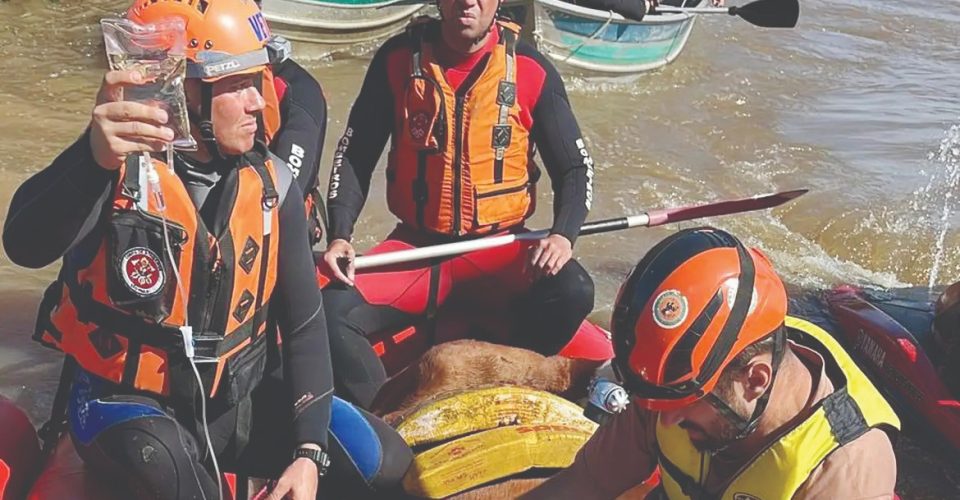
(472, 364)
(508, 489)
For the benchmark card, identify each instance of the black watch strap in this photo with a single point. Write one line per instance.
(319, 457)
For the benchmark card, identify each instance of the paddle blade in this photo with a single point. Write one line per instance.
(760, 202)
(769, 13)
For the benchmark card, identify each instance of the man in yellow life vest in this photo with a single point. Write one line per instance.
(169, 272)
(730, 397)
(466, 104)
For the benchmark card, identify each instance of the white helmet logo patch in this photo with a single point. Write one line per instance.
(670, 309)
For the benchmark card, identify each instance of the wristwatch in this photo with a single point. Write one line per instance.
(319, 457)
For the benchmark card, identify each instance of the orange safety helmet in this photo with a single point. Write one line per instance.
(224, 37)
(691, 305)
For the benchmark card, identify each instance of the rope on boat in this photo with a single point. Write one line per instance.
(681, 36)
(575, 48)
(591, 38)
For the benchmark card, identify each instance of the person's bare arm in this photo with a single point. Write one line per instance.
(619, 456)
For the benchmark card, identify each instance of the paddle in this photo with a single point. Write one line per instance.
(764, 13)
(649, 219)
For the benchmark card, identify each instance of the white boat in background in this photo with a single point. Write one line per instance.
(338, 24)
(595, 41)
(605, 42)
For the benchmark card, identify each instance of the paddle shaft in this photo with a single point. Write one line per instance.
(697, 10)
(763, 13)
(649, 219)
(447, 249)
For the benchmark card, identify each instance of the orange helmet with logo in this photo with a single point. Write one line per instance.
(694, 302)
(224, 37)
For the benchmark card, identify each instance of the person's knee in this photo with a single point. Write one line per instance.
(151, 455)
(338, 300)
(574, 288)
(366, 452)
(557, 305)
(397, 457)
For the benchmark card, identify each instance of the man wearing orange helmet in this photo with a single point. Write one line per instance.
(169, 273)
(731, 397)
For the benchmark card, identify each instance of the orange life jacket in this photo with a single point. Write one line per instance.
(117, 307)
(459, 162)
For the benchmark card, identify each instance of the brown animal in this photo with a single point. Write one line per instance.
(512, 488)
(472, 364)
(516, 487)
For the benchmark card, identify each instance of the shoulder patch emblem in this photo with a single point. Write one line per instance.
(142, 271)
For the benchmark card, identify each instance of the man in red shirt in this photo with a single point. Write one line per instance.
(465, 104)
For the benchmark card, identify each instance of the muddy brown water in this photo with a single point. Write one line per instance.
(860, 103)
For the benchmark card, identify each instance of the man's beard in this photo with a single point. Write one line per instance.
(728, 432)
(712, 443)
(484, 33)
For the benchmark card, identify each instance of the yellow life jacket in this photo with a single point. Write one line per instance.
(778, 471)
(118, 309)
(459, 160)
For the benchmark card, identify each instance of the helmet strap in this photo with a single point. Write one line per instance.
(261, 135)
(746, 426)
(206, 122)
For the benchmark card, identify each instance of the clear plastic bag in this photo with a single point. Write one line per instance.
(157, 51)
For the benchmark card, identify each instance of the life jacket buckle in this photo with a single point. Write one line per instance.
(507, 93)
(270, 201)
(502, 134)
(206, 360)
(207, 344)
(208, 338)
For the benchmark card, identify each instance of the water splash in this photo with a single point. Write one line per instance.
(949, 157)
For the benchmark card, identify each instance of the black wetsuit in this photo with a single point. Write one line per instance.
(303, 126)
(61, 209)
(303, 123)
(631, 9)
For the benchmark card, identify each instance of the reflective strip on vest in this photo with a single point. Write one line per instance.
(781, 469)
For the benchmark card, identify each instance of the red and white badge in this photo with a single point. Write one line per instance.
(418, 125)
(142, 271)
